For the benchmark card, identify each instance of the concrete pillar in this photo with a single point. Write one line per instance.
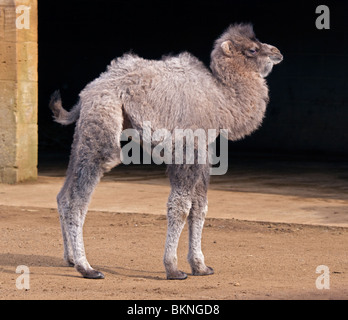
(18, 90)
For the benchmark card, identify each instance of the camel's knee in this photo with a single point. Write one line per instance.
(179, 206)
(112, 162)
(62, 205)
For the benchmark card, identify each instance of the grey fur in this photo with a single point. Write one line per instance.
(175, 92)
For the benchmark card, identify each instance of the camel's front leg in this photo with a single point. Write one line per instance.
(196, 221)
(178, 209)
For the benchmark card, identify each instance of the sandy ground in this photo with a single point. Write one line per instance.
(252, 260)
(267, 231)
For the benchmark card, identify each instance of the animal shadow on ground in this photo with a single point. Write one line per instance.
(12, 261)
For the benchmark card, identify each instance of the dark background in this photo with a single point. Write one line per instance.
(308, 110)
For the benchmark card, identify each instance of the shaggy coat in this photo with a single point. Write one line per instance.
(175, 92)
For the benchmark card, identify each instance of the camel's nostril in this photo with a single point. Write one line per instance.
(276, 58)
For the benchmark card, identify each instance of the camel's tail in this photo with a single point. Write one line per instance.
(60, 115)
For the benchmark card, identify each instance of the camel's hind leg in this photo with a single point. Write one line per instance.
(73, 203)
(96, 148)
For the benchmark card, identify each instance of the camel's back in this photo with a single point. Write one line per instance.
(172, 92)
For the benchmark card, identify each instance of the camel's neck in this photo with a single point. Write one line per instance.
(243, 106)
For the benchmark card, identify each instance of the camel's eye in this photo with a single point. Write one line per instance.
(252, 51)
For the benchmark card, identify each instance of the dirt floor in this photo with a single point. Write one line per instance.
(253, 258)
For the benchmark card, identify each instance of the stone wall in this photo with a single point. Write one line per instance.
(18, 91)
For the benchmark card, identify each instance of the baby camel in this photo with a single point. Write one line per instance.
(175, 92)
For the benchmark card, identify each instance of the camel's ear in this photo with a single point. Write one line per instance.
(227, 49)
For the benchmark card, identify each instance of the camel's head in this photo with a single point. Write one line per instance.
(240, 44)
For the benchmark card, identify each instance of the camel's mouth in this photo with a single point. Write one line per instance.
(267, 67)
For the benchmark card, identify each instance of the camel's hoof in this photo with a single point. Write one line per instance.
(208, 271)
(93, 274)
(177, 275)
(90, 274)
